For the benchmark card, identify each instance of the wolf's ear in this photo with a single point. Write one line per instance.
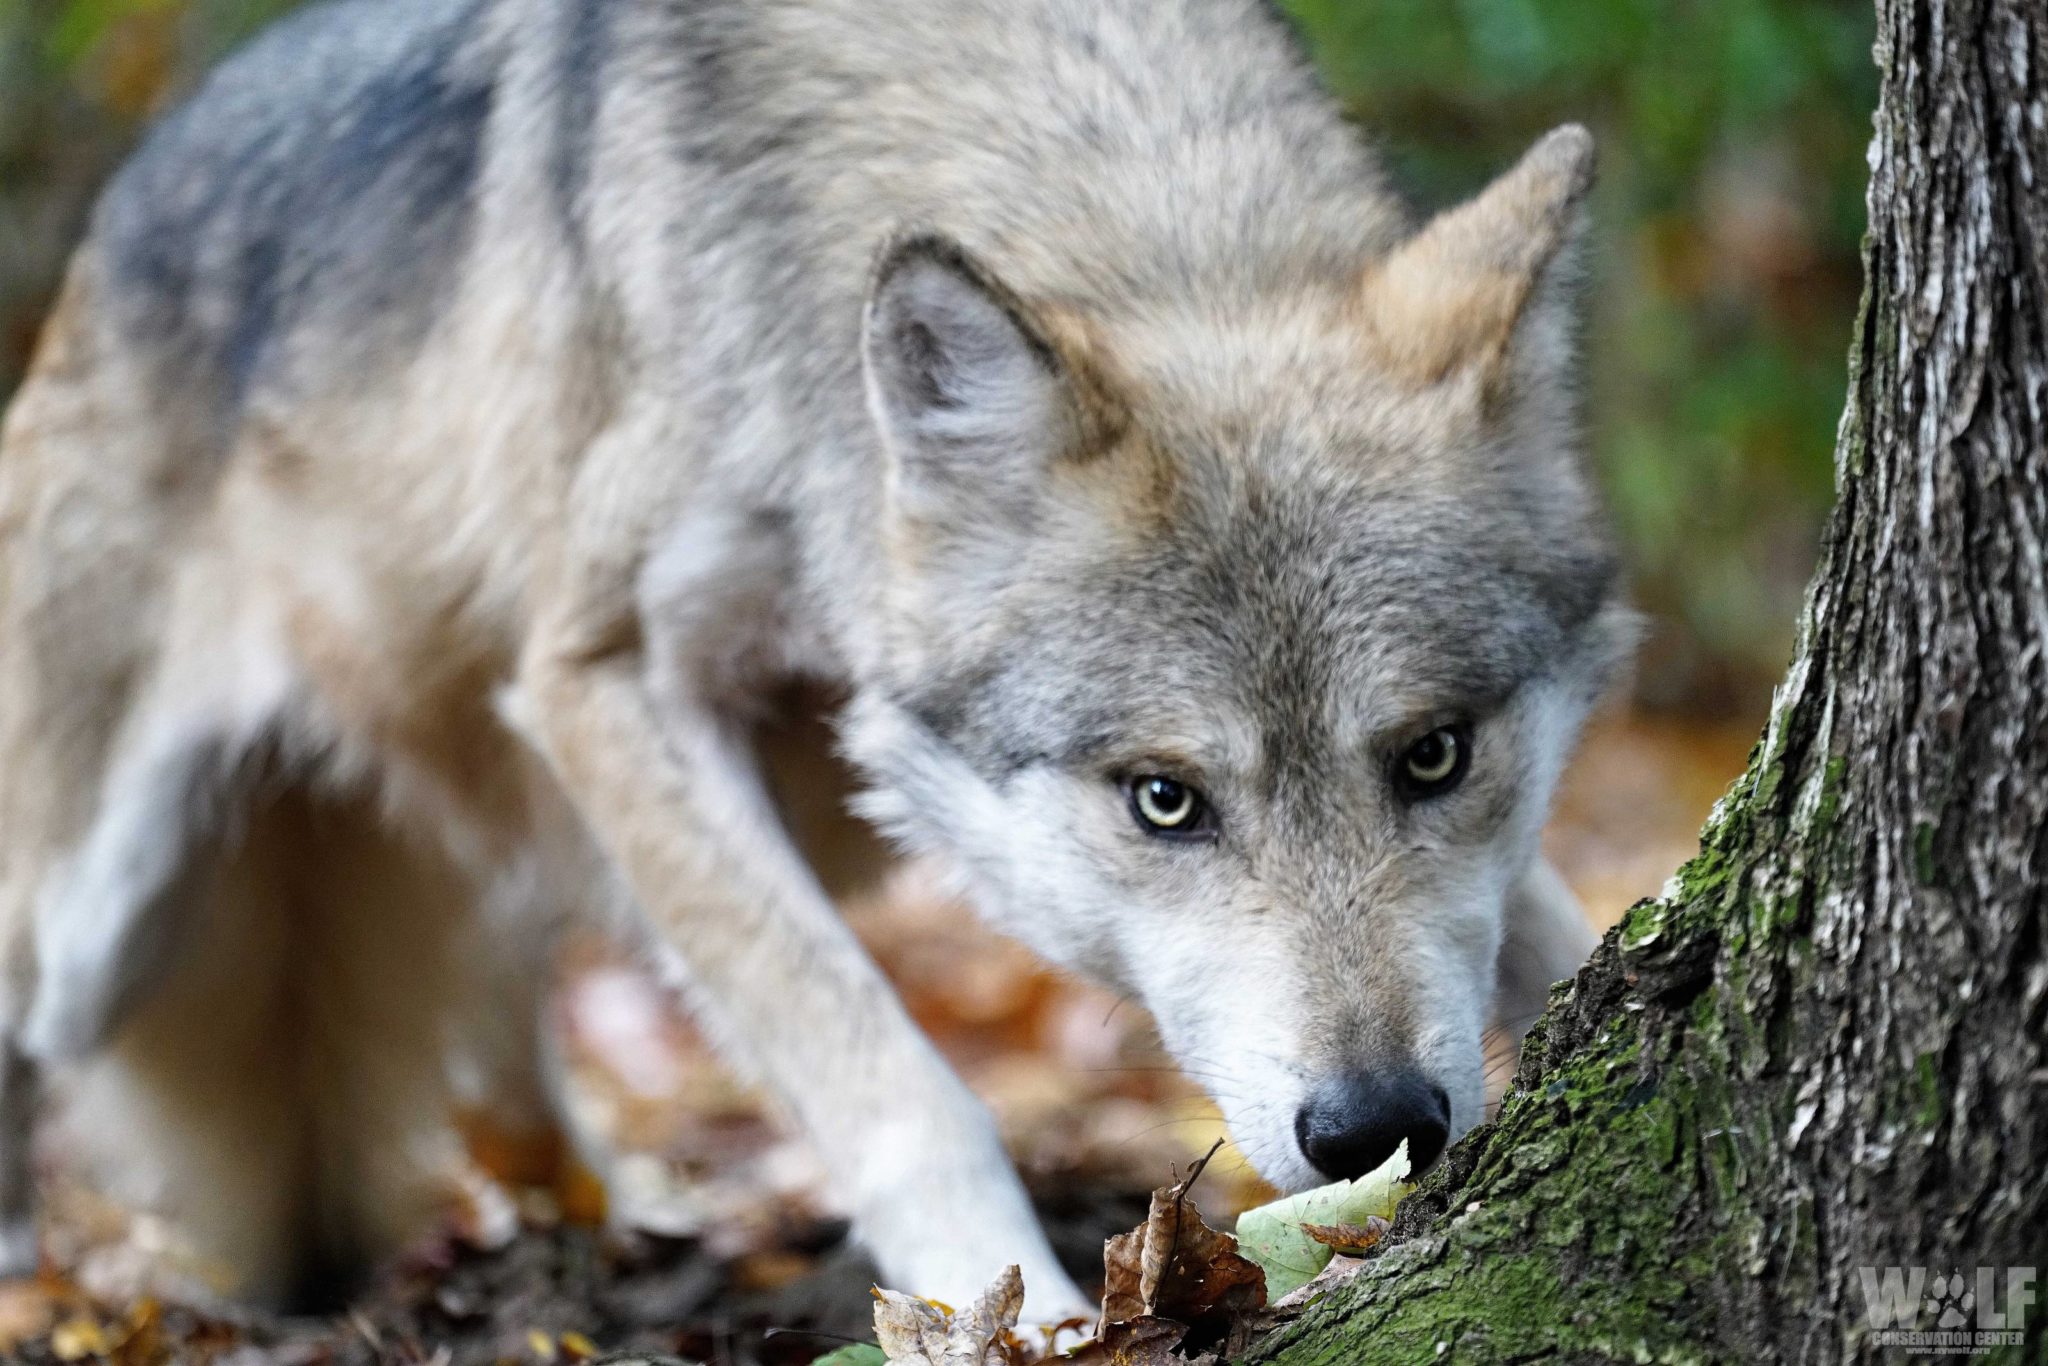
(973, 402)
(1484, 280)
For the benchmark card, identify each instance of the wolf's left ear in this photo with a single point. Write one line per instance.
(1486, 280)
(972, 400)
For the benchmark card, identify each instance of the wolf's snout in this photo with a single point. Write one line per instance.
(1352, 1123)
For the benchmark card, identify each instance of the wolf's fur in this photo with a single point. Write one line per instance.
(464, 414)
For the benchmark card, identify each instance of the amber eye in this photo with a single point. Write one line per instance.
(1167, 806)
(1436, 763)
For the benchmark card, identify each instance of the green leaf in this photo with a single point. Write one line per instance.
(1271, 1235)
(854, 1354)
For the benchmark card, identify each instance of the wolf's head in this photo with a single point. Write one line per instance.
(1239, 653)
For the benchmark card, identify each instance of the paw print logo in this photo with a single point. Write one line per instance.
(1950, 1299)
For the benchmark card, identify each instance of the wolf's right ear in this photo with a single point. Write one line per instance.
(973, 402)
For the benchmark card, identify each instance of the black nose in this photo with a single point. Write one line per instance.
(1352, 1123)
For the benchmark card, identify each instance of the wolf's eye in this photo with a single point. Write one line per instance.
(1436, 763)
(1167, 806)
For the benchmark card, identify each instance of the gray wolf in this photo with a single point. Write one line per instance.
(466, 419)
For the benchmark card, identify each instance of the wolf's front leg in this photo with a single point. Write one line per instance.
(674, 797)
(1548, 939)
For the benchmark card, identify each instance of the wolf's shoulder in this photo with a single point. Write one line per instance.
(341, 144)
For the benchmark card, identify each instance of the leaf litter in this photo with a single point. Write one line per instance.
(1176, 1292)
(747, 1270)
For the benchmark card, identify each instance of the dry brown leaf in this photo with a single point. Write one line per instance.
(1175, 1266)
(142, 1340)
(1122, 1274)
(1142, 1341)
(1353, 1239)
(1171, 1278)
(909, 1330)
(79, 1338)
(917, 1332)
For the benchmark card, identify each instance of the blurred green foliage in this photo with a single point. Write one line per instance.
(1723, 265)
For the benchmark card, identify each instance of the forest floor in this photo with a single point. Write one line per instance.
(737, 1257)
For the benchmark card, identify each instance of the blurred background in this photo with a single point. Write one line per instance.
(1723, 284)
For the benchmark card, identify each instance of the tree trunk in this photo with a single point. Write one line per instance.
(1827, 1048)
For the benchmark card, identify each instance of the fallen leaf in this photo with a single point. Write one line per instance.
(1171, 1279)
(1174, 1266)
(77, 1339)
(1143, 1341)
(772, 1270)
(1349, 1238)
(142, 1343)
(1123, 1274)
(918, 1332)
(854, 1354)
(1274, 1235)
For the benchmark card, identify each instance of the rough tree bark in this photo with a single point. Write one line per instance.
(1826, 1047)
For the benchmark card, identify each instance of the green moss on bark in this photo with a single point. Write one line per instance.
(1563, 1243)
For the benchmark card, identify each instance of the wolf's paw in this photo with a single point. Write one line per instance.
(648, 1195)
